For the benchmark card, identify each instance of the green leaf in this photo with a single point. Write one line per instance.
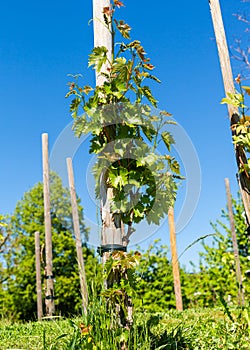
(148, 94)
(151, 159)
(74, 104)
(98, 57)
(118, 178)
(138, 213)
(229, 101)
(234, 100)
(167, 139)
(153, 77)
(149, 76)
(175, 167)
(122, 67)
(149, 132)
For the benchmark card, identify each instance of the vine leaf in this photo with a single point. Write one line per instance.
(121, 67)
(98, 57)
(148, 66)
(148, 94)
(87, 89)
(144, 186)
(247, 89)
(108, 11)
(234, 100)
(167, 139)
(118, 3)
(118, 179)
(123, 28)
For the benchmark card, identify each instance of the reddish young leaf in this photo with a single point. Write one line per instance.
(108, 11)
(141, 53)
(124, 28)
(72, 85)
(238, 79)
(118, 3)
(148, 66)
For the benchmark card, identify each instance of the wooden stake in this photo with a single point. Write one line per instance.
(38, 277)
(102, 34)
(82, 275)
(49, 300)
(112, 229)
(112, 232)
(226, 70)
(235, 244)
(175, 264)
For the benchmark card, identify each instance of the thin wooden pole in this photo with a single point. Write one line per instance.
(49, 299)
(82, 275)
(235, 244)
(175, 264)
(38, 277)
(227, 76)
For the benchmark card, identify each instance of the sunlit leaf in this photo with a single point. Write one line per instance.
(98, 57)
(123, 28)
(108, 11)
(148, 66)
(167, 114)
(147, 93)
(247, 89)
(74, 104)
(167, 139)
(87, 89)
(118, 3)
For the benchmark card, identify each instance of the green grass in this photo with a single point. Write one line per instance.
(195, 329)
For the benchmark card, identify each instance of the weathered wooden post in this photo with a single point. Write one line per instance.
(38, 277)
(102, 34)
(112, 226)
(226, 70)
(175, 263)
(49, 299)
(82, 275)
(235, 244)
(112, 233)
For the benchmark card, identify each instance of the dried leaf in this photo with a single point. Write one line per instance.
(85, 329)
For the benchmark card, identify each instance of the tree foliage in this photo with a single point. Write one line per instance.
(155, 287)
(216, 277)
(19, 288)
(4, 235)
(213, 279)
(151, 286)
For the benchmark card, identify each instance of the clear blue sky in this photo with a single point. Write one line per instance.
(43, 41)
